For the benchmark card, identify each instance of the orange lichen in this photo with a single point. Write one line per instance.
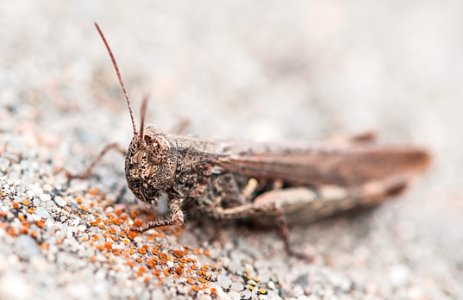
(40, 223)
(44, 246)
(117, 221)
(83, 207)
(207, 252)
(146, 254)
(108, 246)
(163, 256)
(178, 253)
(202, 279)
(204, 268)
(141, 270)
(11, 232)
(93, 191)
(24, 229)
(132, 235)
(151, 263)
(34, 234)
(178, 230)
(134, 214)
(137, 223)
(179, 270)
(131, 264)
(95, 223)
(119, 211)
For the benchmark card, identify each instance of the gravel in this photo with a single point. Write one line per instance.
(237, 70)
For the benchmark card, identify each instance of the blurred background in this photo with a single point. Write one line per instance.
(261, 70)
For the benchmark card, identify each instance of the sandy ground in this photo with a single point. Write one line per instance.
(263, 71)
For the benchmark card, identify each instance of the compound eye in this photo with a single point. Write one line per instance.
(148, 139)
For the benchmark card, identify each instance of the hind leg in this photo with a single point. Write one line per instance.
(302, 205)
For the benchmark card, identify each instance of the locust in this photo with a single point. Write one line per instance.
(284, 183)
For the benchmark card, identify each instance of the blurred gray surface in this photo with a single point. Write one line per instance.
(266, 71)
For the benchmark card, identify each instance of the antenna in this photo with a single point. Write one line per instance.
(143, 113)
(121, 82)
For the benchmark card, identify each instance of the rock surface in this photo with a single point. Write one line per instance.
(266, 71)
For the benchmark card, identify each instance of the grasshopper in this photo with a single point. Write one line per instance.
(287, 183)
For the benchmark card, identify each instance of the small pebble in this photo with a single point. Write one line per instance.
(237, 286)
(59, 201)
(234, 295)
(247, 294)
(45, 197)
(4, 164)
(26, 247)
(43, 213)
(399, 275)
(224, 281)
(13, 286)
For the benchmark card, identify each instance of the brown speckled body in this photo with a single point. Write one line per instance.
(291, 183)
(238, 181)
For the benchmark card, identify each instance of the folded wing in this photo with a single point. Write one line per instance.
(325, 164)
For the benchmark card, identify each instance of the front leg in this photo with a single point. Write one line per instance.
(174, 218)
